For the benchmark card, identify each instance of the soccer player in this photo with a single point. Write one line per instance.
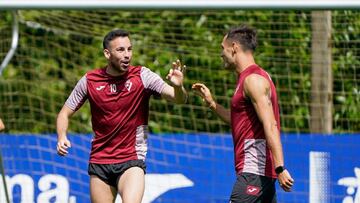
(2, 126)
(254, 120)
(119, 97)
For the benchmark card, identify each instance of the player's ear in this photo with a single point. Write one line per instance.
(235, 47)
(106, 53)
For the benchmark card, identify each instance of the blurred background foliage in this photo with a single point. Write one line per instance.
(57, 47)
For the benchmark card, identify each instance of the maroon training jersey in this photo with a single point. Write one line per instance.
(119, 109)
(252, 154)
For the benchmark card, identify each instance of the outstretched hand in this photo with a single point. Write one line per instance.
(176, 74)
(204, 92)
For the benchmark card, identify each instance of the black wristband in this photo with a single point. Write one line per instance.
(279, 169)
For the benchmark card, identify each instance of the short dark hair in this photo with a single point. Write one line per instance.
(112, 35)
(245, 36)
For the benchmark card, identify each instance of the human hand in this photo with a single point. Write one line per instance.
(204, 92)
(285, 181)
(176, 74)
(62, 146)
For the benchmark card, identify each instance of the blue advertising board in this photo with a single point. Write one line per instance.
(182, 168)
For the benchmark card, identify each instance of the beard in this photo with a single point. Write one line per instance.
(227, 65)
(117, 65)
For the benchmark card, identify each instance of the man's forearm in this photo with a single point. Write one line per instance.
(273, 139)
(62, 124)
(221, 111)
(180, 95)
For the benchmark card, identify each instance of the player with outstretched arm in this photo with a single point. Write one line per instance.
(119, 97)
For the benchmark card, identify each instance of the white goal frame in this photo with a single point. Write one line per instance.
(180, 4)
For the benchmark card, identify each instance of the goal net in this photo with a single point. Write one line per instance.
(57, 47)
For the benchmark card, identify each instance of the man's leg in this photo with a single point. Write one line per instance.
(100, 192)
(239, 192)
(251, 188)
(131, 185)
(269, 191)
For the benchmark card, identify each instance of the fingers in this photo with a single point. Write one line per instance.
(183, 69)
(169, 74)
(200, 94)
(202, 91)
(62, 148)
(286, 187)
(285, 181)
(198, 89)
(177, 66)
(68, 143)
(198, 86)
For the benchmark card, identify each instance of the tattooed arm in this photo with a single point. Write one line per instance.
(257, 88)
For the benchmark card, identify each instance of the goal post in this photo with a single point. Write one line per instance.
(14, 42)
(179, 4)
(2, 171)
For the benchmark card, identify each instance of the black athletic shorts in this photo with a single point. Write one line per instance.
(251, 188)
(110, 173)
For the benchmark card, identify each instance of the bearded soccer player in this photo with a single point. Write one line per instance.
(254, 119)
(119, 97)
